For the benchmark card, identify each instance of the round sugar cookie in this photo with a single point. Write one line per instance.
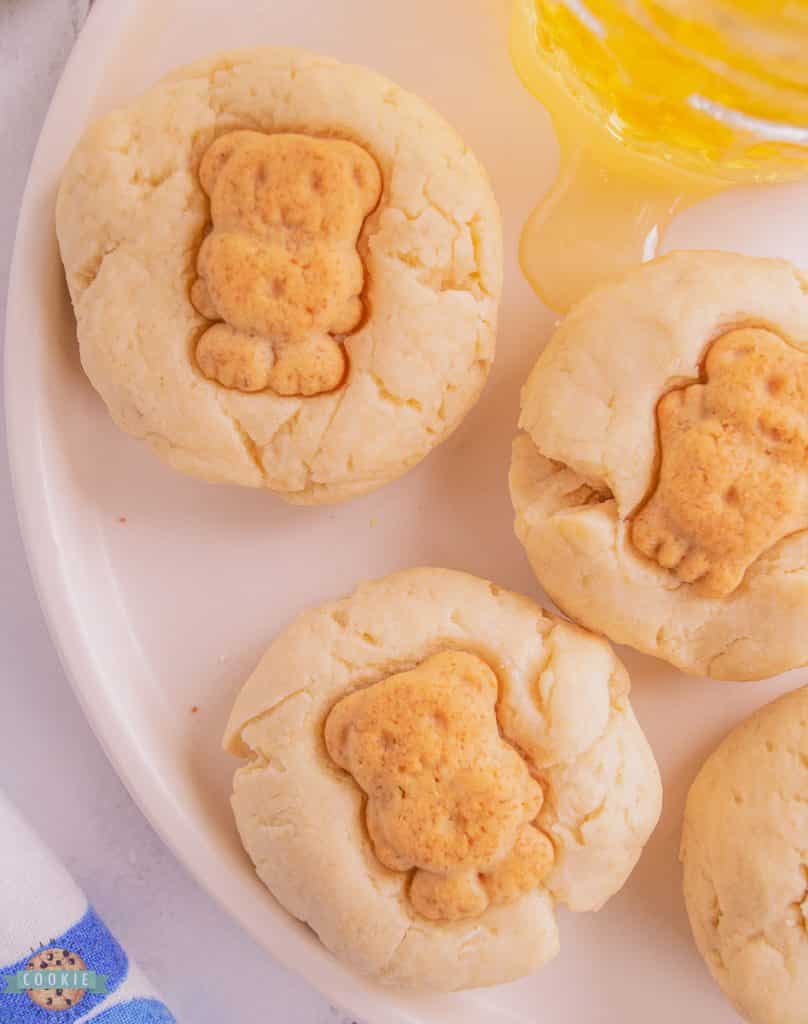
(432, 765)
(285, 272)
(745, 860)
(660, 476)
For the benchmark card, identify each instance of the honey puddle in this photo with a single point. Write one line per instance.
(656, 104)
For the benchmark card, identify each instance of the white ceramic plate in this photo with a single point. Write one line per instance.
(161, 592)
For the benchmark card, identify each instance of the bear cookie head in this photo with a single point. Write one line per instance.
(447, 797)
(279, 272)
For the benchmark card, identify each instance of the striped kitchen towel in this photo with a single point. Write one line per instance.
(59, 962)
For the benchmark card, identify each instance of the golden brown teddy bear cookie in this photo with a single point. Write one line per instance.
(431, 765)
(733, 479)
(279, 270)
(286, 272)
(447, 796)
(660, 478)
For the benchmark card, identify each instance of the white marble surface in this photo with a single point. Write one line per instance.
(46, 748)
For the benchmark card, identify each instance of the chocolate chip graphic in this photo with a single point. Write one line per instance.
(56, 999)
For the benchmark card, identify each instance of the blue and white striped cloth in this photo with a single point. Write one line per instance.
(41, 909)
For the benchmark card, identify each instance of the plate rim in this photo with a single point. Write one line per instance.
(104, 28)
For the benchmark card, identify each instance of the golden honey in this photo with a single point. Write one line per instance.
(656, 104)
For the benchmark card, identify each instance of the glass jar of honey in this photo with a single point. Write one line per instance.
(656, 103)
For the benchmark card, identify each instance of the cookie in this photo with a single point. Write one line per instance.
(431, 766)
(744, 856)
(56, 999)
(285, 271)
(660, 478)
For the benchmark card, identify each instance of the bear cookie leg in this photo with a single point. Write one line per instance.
(235, 359)
(308, 366)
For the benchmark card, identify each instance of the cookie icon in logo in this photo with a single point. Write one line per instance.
(56, 960)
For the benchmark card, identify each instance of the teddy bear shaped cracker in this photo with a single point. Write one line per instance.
(279, 270)
(447, 797)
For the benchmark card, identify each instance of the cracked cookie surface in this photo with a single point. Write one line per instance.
(745, 863)
(431, 765)
(673, 515)
(734, 463)
(378, 345)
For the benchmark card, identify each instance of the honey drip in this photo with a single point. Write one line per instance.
(656, 104)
